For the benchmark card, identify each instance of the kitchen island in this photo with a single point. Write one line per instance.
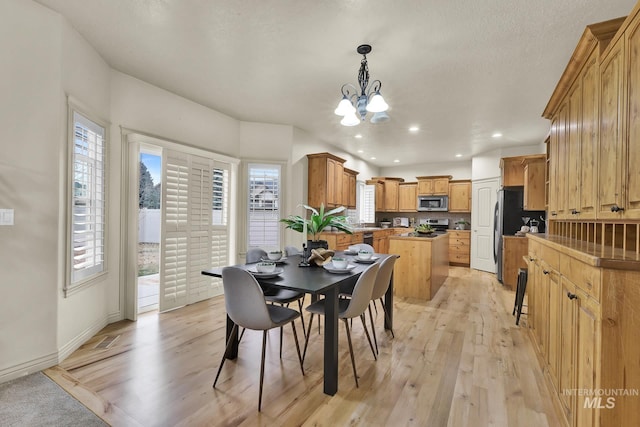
(423, 265)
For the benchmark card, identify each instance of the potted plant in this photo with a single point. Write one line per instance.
(316, 223)
(462, 223)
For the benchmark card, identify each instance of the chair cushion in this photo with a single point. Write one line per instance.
(282, 296)
(281, 315)
(318, 307)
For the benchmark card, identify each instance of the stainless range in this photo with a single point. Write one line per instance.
(441, 224)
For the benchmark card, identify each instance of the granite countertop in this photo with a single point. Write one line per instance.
(591, 253)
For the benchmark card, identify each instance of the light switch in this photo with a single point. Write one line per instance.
(6, 216)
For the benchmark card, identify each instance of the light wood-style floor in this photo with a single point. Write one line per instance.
(458, 360)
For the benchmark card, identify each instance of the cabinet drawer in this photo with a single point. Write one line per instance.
(459, 234)
(459, 258)
(585, 277)
(459, 249)
(455, 241)
(343, 239)
(550, 256)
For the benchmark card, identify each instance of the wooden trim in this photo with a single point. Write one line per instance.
(325, 155)
(433, 177)
(386, 178)
(601, 33)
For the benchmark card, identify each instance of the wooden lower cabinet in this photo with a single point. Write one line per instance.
(459, 247)
(339, 241)
(583, 321)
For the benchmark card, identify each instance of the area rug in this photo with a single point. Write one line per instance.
(35, 400)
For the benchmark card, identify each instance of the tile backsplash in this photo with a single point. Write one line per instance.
(452, 216)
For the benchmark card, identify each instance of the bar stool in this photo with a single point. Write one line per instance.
(520, 290)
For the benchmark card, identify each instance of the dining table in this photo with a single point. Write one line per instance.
(318, 282)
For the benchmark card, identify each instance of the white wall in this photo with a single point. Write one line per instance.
(30, 129)
(458, 170)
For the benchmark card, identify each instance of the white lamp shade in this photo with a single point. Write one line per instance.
(377, 104)
(380, 117)
(350, 120)
(344, 107)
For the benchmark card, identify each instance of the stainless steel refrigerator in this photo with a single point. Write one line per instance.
(508, 214)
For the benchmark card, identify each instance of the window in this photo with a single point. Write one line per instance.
(220, 196)
(367, 203)
(87, 218)
(263, 206)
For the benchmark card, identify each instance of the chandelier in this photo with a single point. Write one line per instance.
(369, 99)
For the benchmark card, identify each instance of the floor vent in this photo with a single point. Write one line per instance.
(107, 341)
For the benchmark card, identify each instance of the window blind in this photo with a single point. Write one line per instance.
(88, 199)
(264, 206)
(367, 204)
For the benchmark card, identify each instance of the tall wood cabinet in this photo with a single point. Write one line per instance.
(329, 182)
(387, 193)
(595, 126)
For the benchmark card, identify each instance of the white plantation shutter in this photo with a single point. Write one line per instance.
(195, 217)
(367, 203)
(264, 206)
(175, 219)
(88, 200)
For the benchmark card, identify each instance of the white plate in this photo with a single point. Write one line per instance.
(282, 260)
(259, 275)
(367, 261)
(331, 269)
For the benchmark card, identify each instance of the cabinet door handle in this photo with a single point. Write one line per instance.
(554, 213)
(574, 212)
(531, 259)
(545, 271)
(616, 208)
(572, 296)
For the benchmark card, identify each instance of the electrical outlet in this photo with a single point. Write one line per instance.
(6, 216)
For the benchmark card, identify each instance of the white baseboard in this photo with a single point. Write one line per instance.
(114, 317)
(28, 367)
(80, 339)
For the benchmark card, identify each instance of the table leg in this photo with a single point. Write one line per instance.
(233, 350)
(388, 303)
(331, 342)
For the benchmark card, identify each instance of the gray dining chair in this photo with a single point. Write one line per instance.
(292, 250)
(348, 309)
(255, 255)
(383, 280)
(246, 306)
(276, 295)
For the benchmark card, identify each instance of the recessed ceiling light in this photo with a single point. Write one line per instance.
(360, 151)
(396, 161)
(373, 158)
(414, 129)
(358, 136)
(458, 155)
(496, 135)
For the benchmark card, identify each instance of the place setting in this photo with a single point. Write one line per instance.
(275, 257)
(338, 265)
(365, 257)
(265, 270)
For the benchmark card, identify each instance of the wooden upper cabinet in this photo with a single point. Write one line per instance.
(326, 176)
(391, 191)
(572, 150)
(379, 184)
(534, 183)
(552, 171)
(408, 197)
(631, 143)
(512, 171)
(610, 198)
(433, 185)
(349, 188)
(460, 196)
(588, 176)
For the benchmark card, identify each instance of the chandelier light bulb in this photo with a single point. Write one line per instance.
(350, 120)
(376, 104)
(344, 107)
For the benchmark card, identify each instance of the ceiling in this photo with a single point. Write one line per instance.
(461, 71)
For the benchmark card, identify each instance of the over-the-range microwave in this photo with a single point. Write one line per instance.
(433, 203)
